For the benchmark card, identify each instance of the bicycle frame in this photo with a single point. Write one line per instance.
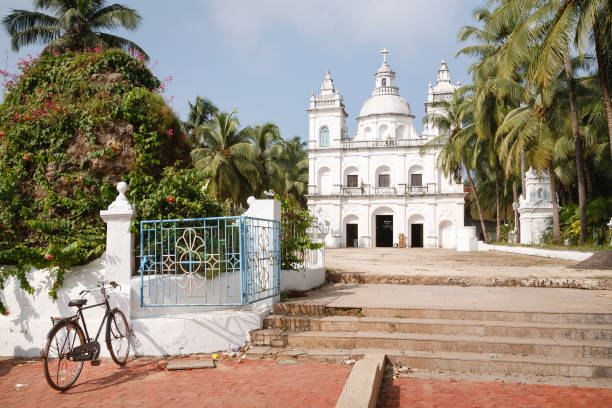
(106, 313)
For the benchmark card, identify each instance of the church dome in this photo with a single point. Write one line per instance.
(385, 97)
(385, 104)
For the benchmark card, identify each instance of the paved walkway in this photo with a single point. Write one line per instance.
(463, 298)
(448, 262)
(142, 384)
(417, 393)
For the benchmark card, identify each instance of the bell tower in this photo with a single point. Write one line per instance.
(326, 117)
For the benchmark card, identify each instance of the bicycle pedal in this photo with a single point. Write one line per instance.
(96, 363)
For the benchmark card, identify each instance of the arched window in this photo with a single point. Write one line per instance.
(384, 82)
(324, 137)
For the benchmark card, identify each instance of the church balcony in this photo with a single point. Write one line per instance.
(369, 190)
(352, 190)
(385, 191)
(429, 188)
(388, 143)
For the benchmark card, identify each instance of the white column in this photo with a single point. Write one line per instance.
(265, 209)
(120, 246)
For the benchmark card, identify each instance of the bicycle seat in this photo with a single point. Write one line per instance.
(77, 302)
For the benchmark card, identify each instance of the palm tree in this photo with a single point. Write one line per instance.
(199, 112)
(549, 27)
(74, 25)
(228, 157)
(489, 107)
(457, 142)
(293, 169)
(266, 143)
(533, 128)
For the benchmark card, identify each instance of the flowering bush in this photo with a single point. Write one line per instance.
(71, 126)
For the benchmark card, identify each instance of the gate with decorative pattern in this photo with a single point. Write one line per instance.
(221, 261)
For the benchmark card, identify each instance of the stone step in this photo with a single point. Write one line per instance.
(451, 343)
(412, 278)
(451, 361)
(299, 308)
(441, 326)
(492, 315)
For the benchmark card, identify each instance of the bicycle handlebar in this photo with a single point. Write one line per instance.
(101, 286)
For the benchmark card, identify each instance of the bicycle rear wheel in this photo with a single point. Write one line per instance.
(118, 337)
(60, 371)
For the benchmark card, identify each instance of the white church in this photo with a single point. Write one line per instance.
(374, 186)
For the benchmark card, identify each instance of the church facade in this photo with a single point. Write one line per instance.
(376, 185)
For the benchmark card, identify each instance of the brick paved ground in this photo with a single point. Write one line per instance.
(141, 383)
(422, 392)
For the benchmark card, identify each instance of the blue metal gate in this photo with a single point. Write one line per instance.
(221, 261)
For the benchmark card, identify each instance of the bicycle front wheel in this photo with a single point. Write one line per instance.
(60, 370)
(118, 337)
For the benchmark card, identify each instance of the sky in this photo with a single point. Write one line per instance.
(264, 57)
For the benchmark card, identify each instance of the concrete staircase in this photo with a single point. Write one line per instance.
(473, 341)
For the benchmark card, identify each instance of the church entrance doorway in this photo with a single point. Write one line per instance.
(384, 230)
(416, 232)
(352, 236)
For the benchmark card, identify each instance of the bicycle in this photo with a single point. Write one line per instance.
(68, 347)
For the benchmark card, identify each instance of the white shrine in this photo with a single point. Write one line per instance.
(536, 207)
(373, 187)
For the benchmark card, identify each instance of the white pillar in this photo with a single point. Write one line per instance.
(266, 209)
(119, 246)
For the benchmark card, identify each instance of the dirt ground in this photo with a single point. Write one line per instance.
(447, 262)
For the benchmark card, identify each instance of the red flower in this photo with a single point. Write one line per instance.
(26, 157)
(79, 180)
(49, 257)
(170, 199)
(116, 148)
(1, 134)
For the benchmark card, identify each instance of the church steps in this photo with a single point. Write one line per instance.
(441, 326)
(410, 278)
(536, 341)
(536, 316)
(449, 343)
(456, 362)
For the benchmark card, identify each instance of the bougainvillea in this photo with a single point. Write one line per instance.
(72, 125)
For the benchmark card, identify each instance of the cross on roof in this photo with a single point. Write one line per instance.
(384, 52)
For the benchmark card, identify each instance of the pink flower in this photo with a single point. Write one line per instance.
(170, 132)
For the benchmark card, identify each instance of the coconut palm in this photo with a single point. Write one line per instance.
(489, 107)
(228, 157)
(73, 25)
(551, 27)
(293, 169)
(201, 111)
(266, 143)
(458, 141)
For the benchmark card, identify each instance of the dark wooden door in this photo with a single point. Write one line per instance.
(384, 230)
(351, 235)
(416, 232)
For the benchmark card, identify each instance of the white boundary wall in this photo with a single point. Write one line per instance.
(157, 331)
(547, 253)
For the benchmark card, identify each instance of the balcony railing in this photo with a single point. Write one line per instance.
(354, 144)
(352, 190)
(366, 189)
(385, 191)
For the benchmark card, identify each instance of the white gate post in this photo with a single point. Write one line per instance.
(119, 246)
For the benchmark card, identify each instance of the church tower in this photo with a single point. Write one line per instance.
(443, 91)
(326, 116)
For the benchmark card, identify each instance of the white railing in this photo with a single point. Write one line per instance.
(390, 143)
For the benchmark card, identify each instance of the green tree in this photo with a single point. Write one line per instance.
(74, 25)
(201, 111)
(458, 142)
(266, 143)
(228, 157)
(293, 170)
